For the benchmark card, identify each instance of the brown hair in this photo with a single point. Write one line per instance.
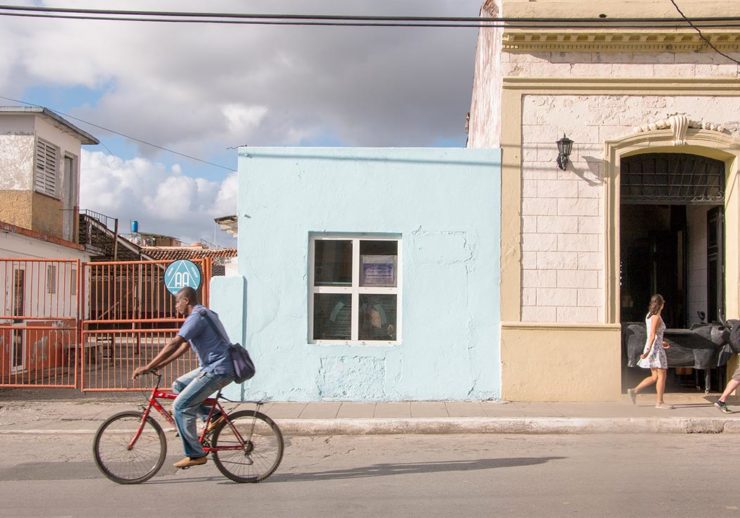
(656, 302)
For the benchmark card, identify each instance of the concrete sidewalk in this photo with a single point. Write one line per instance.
(69, 412)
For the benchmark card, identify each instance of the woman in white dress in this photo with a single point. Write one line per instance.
(653, 355)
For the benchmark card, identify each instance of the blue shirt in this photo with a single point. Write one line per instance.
(211, 347)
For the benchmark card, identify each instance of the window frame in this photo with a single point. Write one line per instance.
(355, 290)
(43, 173)
(73, 282)
(51, 279)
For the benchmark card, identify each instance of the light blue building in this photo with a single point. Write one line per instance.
(367, 274)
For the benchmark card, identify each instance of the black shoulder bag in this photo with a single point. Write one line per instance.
(240, 359)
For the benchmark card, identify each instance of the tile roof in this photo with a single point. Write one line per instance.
(174, 253)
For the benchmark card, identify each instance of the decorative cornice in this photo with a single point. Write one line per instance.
(534, 40)
(679, 123)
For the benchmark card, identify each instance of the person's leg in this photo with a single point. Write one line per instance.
(729, 389)
(731, 385)
(647, 381)
(644, 383)
(183, 381)
(660, 386)
(187, 406)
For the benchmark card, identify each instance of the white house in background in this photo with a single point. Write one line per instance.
(38, 274)
(39, 250)
(39, 211)
(40, 171)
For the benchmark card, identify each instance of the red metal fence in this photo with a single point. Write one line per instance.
(39, 322)
(51, 337)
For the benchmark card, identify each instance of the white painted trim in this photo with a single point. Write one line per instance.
(355, 290)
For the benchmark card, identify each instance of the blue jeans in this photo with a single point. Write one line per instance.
(192, 389)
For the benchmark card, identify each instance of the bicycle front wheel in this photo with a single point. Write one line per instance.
(257, 446)
(123, 459)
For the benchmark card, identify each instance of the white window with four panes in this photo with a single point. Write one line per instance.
(354, 289)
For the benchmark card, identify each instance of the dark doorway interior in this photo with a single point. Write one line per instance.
(653, 251)
(671, 242)
(715, 264)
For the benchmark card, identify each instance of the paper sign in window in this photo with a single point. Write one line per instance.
(378, 270)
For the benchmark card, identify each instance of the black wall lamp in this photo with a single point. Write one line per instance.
(564, 147)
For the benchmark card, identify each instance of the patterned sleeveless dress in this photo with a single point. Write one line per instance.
(657, 358)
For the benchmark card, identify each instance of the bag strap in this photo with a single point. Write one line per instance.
(215, 328)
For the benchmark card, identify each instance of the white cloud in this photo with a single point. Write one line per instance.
(201, 89)
(204, 87)
(243, 119)
(226, 198)
(161, 199)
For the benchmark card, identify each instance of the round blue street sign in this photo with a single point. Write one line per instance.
(180, 274)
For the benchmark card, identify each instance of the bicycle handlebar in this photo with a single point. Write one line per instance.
(156, 373)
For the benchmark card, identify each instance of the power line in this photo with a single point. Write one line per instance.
(135, 139)
(353, 21)
(702, 35)
(353, 24)
(676, 24)
(324, 20)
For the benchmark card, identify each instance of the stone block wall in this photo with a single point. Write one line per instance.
(563, 220)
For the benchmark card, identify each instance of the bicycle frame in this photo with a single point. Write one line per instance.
(215, 405)
(130, 446)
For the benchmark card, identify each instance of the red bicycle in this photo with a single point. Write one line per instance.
(130, 447)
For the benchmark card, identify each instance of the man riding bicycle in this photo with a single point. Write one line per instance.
(199, 331)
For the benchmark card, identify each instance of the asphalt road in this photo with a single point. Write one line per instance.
(401, 475)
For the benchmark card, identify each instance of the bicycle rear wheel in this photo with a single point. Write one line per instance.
(259, 442)
(122, 463)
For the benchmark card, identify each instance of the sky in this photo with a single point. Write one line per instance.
(203, 90)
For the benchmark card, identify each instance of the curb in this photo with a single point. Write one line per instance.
(508, 425)
(475, 425)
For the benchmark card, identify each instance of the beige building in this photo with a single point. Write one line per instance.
(648, 199)
(40, 171)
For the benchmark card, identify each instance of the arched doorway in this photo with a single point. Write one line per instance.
(671, 237)
(671, 230)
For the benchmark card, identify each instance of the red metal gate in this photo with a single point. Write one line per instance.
(50, 336)
(129, 315)
(39, 322)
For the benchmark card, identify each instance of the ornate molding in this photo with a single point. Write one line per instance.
(680, 123)
(534, 40)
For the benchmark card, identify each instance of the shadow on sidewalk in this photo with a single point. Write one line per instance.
(382, 470)
(692, 405)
